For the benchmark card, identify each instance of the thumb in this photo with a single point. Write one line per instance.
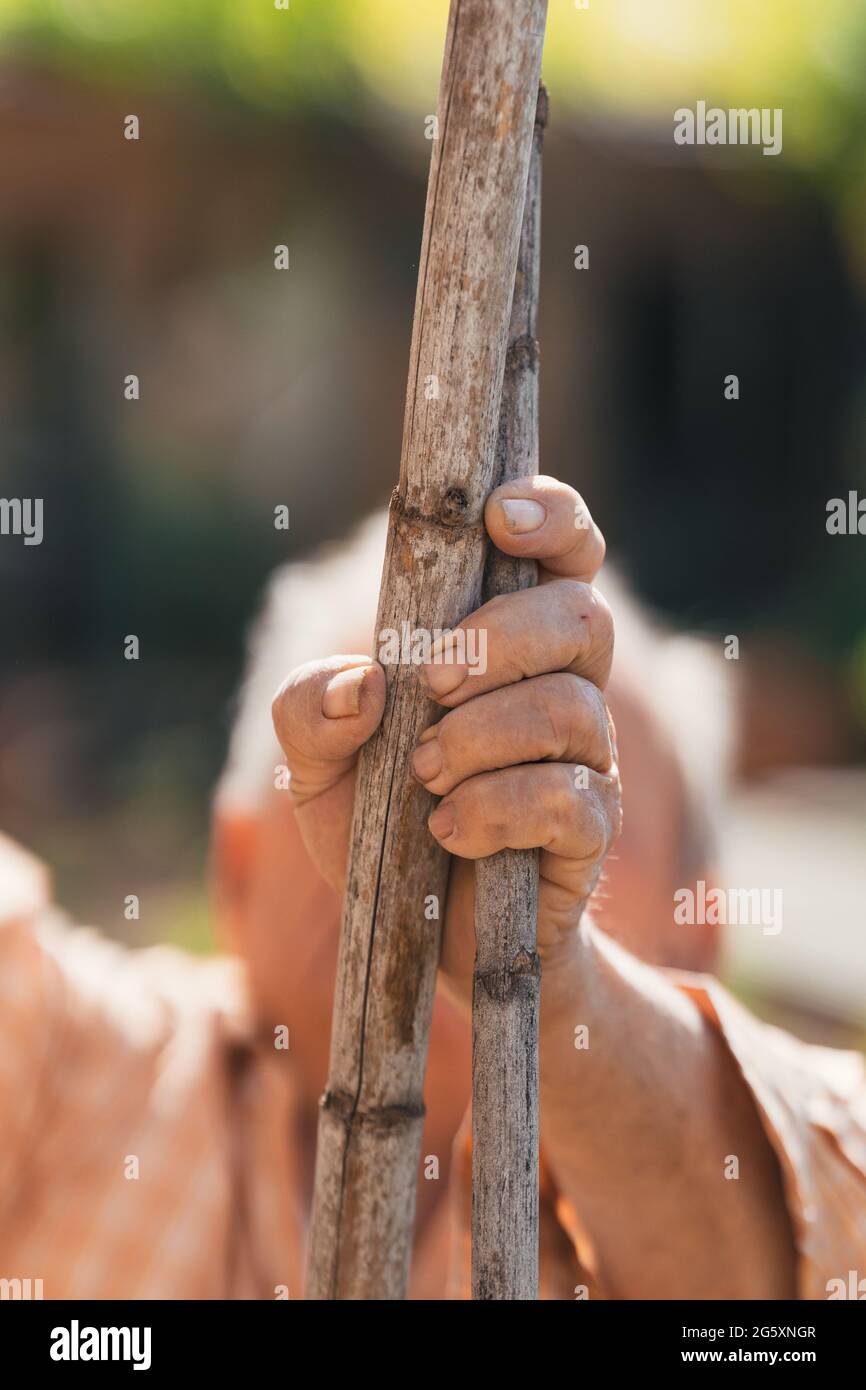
(323, 712)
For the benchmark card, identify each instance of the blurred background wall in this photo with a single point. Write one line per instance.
(306, 127)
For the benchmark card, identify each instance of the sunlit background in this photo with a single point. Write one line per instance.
(307, 127)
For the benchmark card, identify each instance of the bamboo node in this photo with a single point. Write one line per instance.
(501, 984)
(523, 353)
(451, 514)
(454, 505)
(344, 1107)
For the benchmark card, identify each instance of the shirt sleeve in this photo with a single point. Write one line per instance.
(88, 1026)
(812, 1104)
(28, 997)
(109, 1055)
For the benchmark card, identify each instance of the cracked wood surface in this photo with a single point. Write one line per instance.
(507, 979)
(367, 1171)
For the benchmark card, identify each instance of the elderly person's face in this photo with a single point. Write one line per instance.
(280, 916)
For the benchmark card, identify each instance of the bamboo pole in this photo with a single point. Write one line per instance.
(506, 981)
(371, 1114)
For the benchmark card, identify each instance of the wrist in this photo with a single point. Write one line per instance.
(567, 974)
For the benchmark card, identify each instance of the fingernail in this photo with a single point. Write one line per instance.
(441, 823)
(443, 679)
(443, 674)
(427, 759)
(522, 515)
(342, 694)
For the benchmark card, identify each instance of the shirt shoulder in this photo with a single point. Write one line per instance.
(812, 1104)
(25, 884)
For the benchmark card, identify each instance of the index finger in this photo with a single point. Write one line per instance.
(542, 519)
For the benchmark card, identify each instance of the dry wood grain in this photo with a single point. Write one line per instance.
(371, 1114)
(507, 977)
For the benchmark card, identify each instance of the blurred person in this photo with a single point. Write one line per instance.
(157, 1143)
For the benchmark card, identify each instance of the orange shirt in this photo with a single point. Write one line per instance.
(148, 1145)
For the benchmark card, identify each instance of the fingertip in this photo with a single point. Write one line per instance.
(544, 519)
(442, 821)
(318, 699)
(521, 515)
(278, 708)
(341, 697)
(511, 514)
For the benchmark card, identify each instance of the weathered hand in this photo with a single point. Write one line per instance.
(525, 755)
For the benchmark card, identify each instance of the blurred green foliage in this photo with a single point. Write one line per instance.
(377, 60)
(620, 55)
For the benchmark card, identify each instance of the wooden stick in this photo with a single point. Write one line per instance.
(507, 979)
(371, 1114)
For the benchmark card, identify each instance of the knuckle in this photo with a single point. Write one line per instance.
(554, 706)
(489, 797)
(285, 705)
(585, 810)
(575, 596)
(464, 798)
(574, 605)
(458, 749)
(445, 733)
(611, 733)
(595, 832)
(515, 657)
(278, 710)
(602, 726)
(574, 710)
(587, 611)
(608, 807)
(488, 809)
(601, 617)
(564, 794)
(616, 824)
(492, 608)
(597, 638)
(587, 697)
(613, 792)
